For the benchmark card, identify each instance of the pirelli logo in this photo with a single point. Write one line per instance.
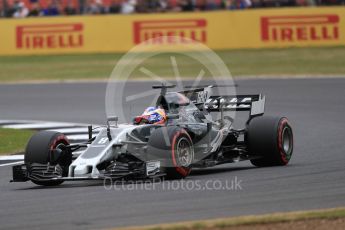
(50, 36)
(170, 31)
(300, 28)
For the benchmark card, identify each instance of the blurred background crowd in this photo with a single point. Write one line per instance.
(37, 8)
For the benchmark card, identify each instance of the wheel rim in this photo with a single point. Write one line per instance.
(60, 146)
(287, 141)
(184, 152)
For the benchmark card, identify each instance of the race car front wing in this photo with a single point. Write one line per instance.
(115, 171)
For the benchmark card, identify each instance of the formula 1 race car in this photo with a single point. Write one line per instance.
(190, 138)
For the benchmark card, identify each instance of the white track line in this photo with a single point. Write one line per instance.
(48, 125)
(7, 122)
(12, 158)
(13, 163)
(39, 121)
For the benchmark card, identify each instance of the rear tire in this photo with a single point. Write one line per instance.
(271, 138)
(174, 147)
(39, 150)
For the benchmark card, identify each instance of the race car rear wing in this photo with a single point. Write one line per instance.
(253, 103)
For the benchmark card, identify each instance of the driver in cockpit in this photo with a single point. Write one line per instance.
(151, 115)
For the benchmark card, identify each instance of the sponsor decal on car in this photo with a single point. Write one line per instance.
(49, 36)
(170, 31)
(323, 27)
(228, 102)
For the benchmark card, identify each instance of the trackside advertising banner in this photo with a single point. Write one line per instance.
(324, 26)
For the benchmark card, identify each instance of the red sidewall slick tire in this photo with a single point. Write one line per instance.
(284, 126)
(183, 171)
(164, 145)
(39, 149)
(271, 139)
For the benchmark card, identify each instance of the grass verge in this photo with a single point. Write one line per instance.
(271, 62)
(13, 141)
(275, 218)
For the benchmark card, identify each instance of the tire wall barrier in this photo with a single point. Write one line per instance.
(269, 28)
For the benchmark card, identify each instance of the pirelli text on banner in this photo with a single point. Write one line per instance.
(49, 36)
(300, 28)
(157, 30)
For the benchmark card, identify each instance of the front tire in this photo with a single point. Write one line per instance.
(174, 147)
(270, 138)
(46, 147)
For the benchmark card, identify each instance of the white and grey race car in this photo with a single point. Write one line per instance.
(191, 138)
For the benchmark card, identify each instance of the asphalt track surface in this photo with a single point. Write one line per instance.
(314, 179)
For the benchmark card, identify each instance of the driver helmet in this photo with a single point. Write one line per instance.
(151, 115)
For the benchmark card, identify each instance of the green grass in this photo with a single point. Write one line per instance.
(13, 141)
(249, 220)
(287, 61)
